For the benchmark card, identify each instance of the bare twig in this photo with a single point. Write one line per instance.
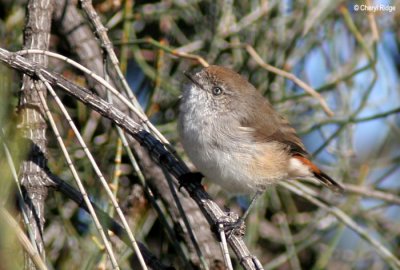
(304, 192)
(24, 241)
(157, 150)
(77, 178)
(150, 197)
(353, 28)
(368, 192)
(107, 45)
(186, 222)
(101, 32)
(106, 221)
(96, 169)
(287, 237)
(176, 52)
(372, 22)
(353, 120)
(247, 20)
(291, 77)
(224, 248)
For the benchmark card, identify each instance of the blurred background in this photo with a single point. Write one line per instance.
(348, 55)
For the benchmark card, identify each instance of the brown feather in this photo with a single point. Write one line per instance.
(258, 118)
(267, 126)
(320, 175)
(253, 112)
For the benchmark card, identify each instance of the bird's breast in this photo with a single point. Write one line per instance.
(220, 158)
(224, 154)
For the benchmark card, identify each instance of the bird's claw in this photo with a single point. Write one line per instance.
(231, 225)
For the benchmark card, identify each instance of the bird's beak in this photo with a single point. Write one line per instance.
(191, 77)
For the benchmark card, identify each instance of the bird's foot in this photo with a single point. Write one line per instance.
(231, 225)
(190, 178)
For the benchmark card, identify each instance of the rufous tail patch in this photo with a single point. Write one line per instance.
(308, 163)
(320, 175)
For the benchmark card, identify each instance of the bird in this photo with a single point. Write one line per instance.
(235, 138)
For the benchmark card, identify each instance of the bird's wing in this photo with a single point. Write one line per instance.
(263, 125)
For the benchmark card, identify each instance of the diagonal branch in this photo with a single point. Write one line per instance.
(311, 91)
(24, 241)
(107, 222)
(340, 215)
(159, 153)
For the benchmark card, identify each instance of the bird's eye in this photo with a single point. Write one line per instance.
(217, 91)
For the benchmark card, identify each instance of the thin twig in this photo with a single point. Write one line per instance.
(288, 239)
(148, 191)
(150, 197)
(372, 22)
(20, 199)
(97, 171)
(177, 52)
(156, 149)
(116, 173)
(247, 20)
(291, 77)
(305, 193)
(77, 179)
(106, 220)
(357, 34)
(224, 248)
(24, 241)
(368, 192)
(101, 31)
(188, 226)
(103, 82)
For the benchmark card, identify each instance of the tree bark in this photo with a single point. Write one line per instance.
(156, 150)
(33, 179)
(82, 41)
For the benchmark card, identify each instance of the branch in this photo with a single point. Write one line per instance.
(376, 194)
(33, 125)
(307, 194)
(83, 43)
(353, 120)
(156, 149)
(106, 221)
(291, 77)
(174, 51)
(24, 241)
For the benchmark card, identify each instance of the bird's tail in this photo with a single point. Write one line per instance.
(328, 181)
(320, 175)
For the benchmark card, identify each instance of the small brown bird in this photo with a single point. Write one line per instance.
(236, 139)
